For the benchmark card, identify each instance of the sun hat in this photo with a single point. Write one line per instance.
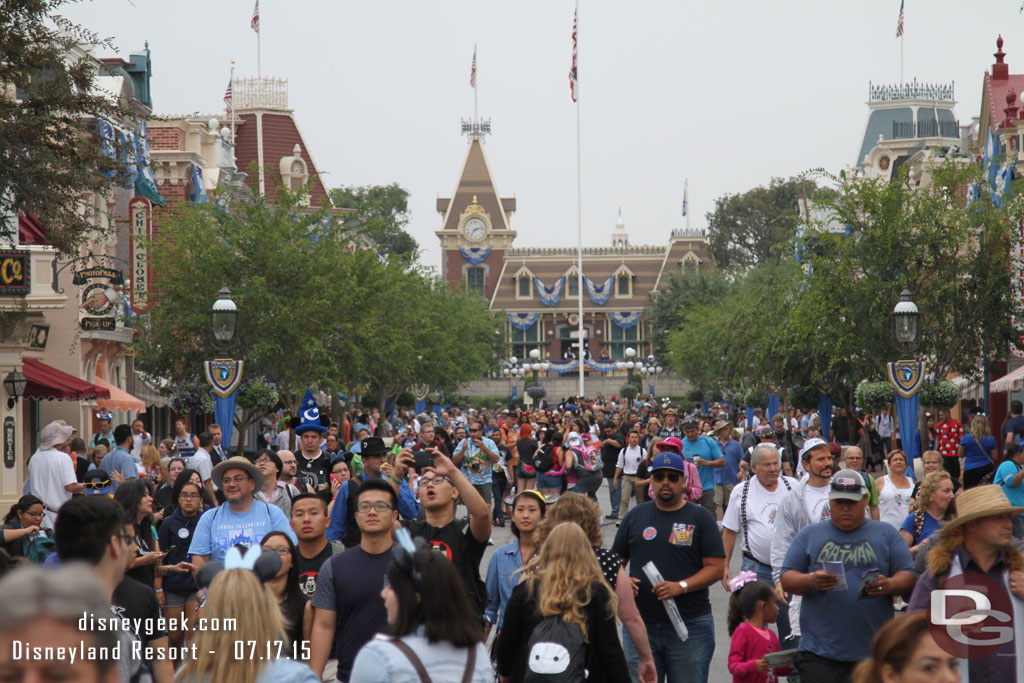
(54, 434)
(847, 485)
(237, 462)
(721, 424)
(978, 502)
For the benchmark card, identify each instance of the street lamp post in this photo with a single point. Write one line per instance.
(513, 372)
(224, 374)
(650, 370)
(904, 319)
(628, 365)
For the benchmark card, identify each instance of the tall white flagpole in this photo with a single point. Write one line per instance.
(579, 206)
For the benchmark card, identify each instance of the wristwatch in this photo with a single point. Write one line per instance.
(683, 585)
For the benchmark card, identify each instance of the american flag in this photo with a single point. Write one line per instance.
(572, 71)
(255, 23)
(899, 23)
(227, 98)
(472, 73)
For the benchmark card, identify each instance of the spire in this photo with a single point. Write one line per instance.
(619, 237)
(476, 186)
(1000, 70)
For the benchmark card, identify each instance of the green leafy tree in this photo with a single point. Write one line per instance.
(382, 211)
(50, 151)
(756, 226)
(680, 293)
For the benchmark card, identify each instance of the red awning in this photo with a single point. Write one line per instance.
(52, 384)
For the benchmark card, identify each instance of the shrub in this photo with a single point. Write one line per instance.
(875, 395)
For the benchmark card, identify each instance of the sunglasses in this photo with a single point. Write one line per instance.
(673, 477)
(848, 488)
(96, 484)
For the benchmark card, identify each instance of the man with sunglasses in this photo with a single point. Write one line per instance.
(847, 569)
(475, 455)
(683, 542)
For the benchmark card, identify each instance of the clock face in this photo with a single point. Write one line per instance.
(475, 229)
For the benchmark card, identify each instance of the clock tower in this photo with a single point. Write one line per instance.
(475, 221)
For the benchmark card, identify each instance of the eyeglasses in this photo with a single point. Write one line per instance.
(283, 552)
(262, 461)
(127, 538)
(189, 496)
(473, 431)
(848, 488)
(33, 514)
(235, 480)
(434, 480)
(96, 484)
(673, 477)
(377, 507)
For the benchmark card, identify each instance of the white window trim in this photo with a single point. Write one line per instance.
(528, 274)
(623, 270)
(570, 276)
(465, 274)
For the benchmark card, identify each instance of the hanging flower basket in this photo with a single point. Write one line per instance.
(875, 395)
(939, 394)
(192, 399)
(536, 392)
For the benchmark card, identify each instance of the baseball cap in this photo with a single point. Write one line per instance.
(847, 485)
(672, 442)
(812, 443)
(690, 423)
(669, 461)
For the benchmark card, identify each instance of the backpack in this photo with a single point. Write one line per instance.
(555, 652)
(37, 548)
(544, 458)
(588, 459)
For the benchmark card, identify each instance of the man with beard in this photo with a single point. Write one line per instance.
(682, 541)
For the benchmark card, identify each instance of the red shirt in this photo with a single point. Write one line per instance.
(948, 435)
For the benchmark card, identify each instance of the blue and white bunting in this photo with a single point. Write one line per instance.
(602, 365)
(475, 255)
(563, 366)
(599, 293)
(1002, 183)
(522, 321)
(198, 194)
(549, 296)
(626, 319)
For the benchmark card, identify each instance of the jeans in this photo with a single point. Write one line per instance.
(764, 573)
(615, 493)
(677, 661)
(498, 483)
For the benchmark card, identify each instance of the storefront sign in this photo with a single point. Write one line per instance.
(14, 272)
(98, 323)
(9, 442)
(99, 297)
(141, 221)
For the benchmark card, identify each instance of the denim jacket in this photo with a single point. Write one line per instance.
(501, 579)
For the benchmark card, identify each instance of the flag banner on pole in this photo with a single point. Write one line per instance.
(255, 23)
(899, 22)
(549, 296)
(573, 84)
(227, 98)
(472, 72)
(686, 197)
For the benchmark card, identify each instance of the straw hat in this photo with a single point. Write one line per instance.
(978, 502)
(237, 462)
(722, 424)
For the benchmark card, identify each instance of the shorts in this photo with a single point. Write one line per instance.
(549, 481)
(178, 599)
(722, 493)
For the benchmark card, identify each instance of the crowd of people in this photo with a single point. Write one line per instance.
(354, 551)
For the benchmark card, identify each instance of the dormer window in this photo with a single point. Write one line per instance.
(523, 280)
(624, 282)
(294, 173)
(690, 263)
(572, 283)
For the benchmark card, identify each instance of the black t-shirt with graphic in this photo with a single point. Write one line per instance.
(458, 544)
(309, 568)
(314, 472)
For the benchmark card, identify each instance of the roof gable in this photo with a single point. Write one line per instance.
(476, 181)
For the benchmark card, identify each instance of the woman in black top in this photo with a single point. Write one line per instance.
(526, 446)
(134, 497)
(21, 521)
(563, 580)
(295, 607)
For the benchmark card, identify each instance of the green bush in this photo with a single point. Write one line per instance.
(629, 391)
(804, 397)
(406, 399)
(875, 395)
(939, 394)
(694, 396)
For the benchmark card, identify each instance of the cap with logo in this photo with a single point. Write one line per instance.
(669, 461)
(847, 485)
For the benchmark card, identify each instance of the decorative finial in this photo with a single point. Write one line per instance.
(999, 41)
(1011, 97)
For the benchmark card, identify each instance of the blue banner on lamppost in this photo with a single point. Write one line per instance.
(906, 376)
(224, 375)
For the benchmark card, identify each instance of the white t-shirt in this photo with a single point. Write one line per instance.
(816, 502)
(51, 470)
(138, 441)
(201, 463)
(762, 506)
(629, 459)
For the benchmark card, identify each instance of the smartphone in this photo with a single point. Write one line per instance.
(396, 449)
(422, 460)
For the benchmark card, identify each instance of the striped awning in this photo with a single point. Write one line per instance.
(1011, 382)
(969, 390)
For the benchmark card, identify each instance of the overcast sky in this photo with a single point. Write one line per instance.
(727, 94)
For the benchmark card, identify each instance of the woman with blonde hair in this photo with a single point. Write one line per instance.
(251, 647)
(934, 507)
(979, 450)
(151, 462)
(564, 581)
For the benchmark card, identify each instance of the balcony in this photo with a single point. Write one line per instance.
(925, 129)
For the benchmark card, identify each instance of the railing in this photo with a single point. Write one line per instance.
(911, 91)
(692, 232)
(260, 93)
(928, 128)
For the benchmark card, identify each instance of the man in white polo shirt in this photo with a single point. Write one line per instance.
(52, 473)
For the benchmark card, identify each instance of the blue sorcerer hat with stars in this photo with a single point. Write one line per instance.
(309, 413)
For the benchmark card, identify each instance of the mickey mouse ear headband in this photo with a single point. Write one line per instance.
(265, 564)
(402, 553)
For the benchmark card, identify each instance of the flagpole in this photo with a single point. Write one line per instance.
(476, 117)
(686, 200)
(259, 56)
(901, 60)
(579, 216)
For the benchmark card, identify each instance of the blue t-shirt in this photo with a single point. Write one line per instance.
(871, 546)
(975, 456)
(220, 528)
(705, 449)
(1004, 477)
(677, 542)
(931, 525)
(119, 460)
(733, 455)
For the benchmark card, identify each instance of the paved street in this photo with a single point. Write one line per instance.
(719, 598)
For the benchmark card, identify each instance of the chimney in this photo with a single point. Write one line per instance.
(1000, 70)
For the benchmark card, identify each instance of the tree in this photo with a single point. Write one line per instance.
(382, 211)
(757, 225)
(50, 151)
(679, 294)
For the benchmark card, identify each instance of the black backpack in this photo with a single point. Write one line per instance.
(544, 458)
(556, 652)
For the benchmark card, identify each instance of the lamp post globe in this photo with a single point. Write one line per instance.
(904, 317)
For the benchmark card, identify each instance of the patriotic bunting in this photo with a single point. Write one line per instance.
(475, 255)
(522, 321)
(599, 293)
(549, 296)
(627, 319)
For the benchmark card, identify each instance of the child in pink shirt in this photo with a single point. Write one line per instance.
(752, 607)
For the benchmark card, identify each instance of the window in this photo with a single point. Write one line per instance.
(573, 285)
(524, 340)
(523, 289)
(618, 339)
(475, 280)
(623, 284)
(689, 267)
